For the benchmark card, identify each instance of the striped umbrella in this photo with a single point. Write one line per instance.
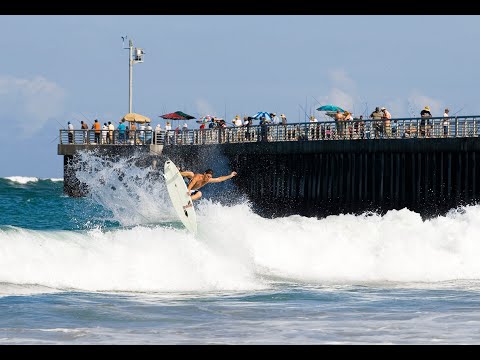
(261, 114)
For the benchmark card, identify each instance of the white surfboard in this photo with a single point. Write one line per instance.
(182, 203)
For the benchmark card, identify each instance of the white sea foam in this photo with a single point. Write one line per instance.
(238, 250)
(27, 179)
(22, 179)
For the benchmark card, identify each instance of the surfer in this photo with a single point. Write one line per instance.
(199, 180)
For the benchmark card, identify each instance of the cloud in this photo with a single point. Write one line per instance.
(397, 107)
(342, 90)
(340, 79)
(417, 101)
(204, 108)
(30, 103)
(341, 98)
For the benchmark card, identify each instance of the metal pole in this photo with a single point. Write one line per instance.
(130, 65)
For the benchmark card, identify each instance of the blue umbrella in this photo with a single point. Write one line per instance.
(261, 114)
(205, 119)
(330, 108)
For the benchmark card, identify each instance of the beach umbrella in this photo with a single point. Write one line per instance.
(205, 119)
(177, 115)
(261, 114)
(330, 108)
(132, 117)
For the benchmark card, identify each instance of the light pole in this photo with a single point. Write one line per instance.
(134, 56)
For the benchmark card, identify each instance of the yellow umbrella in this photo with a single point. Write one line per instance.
(132, 117)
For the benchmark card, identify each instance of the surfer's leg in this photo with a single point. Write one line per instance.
(197, 195)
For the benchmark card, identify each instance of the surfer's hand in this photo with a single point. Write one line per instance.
(234, 173)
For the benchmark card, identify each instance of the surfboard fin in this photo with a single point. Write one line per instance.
(187, 206)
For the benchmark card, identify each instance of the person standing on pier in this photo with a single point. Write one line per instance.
(425, 114)
(141, 133)
(158, 132)
(132, 134)
(96, 127)
(111, 129)
(275, 119)
(121, 131)
(148, 133)
(339, 118)
(168, 133)
(84, 127)
(378, 123)
(386, 119)
(104, 133)
(247, 122)
(348, 125)
(284, 123)
(446, 122)
(70, 132)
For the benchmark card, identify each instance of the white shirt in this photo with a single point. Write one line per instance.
(276, 120)
(168, 127)
(70, 128)
(158, 128)
(314, 120)
(445, 121)
(185, 126)
(238, 122)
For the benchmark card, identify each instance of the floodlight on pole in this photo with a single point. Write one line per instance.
(135, 56)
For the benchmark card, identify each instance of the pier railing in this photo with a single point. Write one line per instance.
(401, 128)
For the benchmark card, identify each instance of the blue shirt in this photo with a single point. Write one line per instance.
(121, 128)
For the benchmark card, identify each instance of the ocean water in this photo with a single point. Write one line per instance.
(117, 267)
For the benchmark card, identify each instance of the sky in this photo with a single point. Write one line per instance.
(59, 68)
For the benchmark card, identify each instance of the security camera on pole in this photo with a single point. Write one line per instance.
(135, 56)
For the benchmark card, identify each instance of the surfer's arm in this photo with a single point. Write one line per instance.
(223, 178)
(187, 174)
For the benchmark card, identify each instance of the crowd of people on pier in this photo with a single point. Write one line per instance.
(108, 134)
(343, 126)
